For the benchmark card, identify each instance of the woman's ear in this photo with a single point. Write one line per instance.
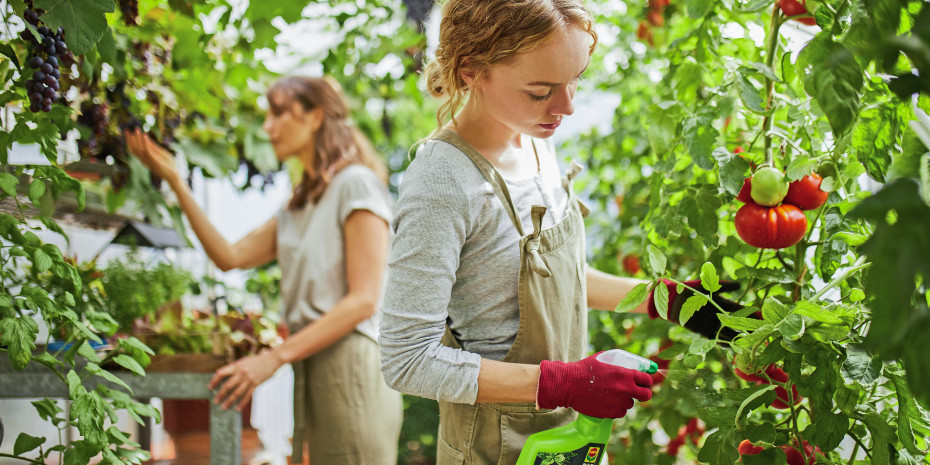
(467, 72)
(315, 118)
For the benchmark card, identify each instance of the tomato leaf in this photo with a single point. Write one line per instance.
(774, 311)
(25, 443)
(655, 260)
(792, 327)
(742, 324)
(763, 395)
(882, 434)
(719, 448)
(907, 411)
(700, 137)
(751, 96)
(816, 313)
(131, 364)
(693, 304)
(733, 169)
(827, 429)
(834, 80)
(709, 278)
(18, 334)
(633, 298)
(875, 140)
(660, 297)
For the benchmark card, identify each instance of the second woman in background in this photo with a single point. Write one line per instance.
(331, 241)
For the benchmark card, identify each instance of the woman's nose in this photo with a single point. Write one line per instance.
(562, 101)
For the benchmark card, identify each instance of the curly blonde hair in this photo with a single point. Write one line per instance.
(493, 31)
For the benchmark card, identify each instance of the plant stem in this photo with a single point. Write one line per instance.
(751, 278)
(770, 50)
(24, 459)
(852, 457)
(858, 265)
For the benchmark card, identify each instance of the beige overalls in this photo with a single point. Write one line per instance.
(553, 326)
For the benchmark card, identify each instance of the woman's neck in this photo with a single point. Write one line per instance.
(500, 145)
(307, 157)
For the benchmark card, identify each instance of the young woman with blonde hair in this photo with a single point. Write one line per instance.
(331, 241)
(488, 290)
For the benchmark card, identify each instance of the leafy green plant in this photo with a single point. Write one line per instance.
(740, 85)
(136, 290)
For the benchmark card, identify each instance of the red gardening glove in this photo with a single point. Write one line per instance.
(591, 387)
(704, 321)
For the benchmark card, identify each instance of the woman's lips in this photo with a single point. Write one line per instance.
(551, 126)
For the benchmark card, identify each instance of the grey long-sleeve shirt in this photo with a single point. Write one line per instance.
(456, 259)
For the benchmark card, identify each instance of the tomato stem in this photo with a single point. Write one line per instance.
(858, 265)
(770, 51)
(751, 278)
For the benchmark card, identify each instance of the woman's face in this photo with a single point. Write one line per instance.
(532, 92)
(292, 132)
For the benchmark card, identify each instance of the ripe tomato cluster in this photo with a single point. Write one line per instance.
(792, 454)
(692, 431)
(771, 217)
(778, 375)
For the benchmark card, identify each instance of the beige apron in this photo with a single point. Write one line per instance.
(553, 326)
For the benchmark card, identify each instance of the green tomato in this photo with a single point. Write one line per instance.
(769, 186)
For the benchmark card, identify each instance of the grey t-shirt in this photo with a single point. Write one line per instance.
(311, 247)
(456, 259)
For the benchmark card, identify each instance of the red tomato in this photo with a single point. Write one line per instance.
(643, 33)
(631, 264)
(746, 448)
(745, 195)
(794, 8)
(655, 18)
(796, 458)
(752, 378)
(674, 445)
(805, 193)
(770, 227)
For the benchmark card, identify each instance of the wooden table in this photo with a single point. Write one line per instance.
(225, 425)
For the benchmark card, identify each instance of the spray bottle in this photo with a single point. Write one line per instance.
(583, 440)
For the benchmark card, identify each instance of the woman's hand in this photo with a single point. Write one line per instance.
(154, 156)
(242, 377)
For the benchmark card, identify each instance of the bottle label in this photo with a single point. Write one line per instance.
(587, 455)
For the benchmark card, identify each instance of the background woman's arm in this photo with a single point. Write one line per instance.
(256, 248)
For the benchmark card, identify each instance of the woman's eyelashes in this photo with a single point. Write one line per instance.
(540, 98)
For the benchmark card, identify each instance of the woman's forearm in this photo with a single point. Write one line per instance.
(507, 382)
(217, 248)
(605, 291)
(327, 330)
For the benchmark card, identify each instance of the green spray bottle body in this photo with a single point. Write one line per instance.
(583, 441)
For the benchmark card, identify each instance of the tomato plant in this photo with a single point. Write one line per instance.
(842, 308)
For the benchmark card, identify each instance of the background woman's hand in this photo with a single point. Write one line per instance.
(242, 377)
(154, 156)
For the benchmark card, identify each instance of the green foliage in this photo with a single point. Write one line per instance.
(135, 289)
(841, 312)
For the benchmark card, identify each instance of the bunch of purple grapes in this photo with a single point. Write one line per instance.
(46, 54)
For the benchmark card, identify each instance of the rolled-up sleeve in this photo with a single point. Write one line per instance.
(431, 223)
